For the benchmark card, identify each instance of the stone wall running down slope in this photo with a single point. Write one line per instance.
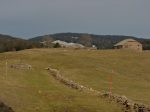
(5, 108)
(127, 104)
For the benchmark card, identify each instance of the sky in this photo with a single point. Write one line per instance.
(31, 18)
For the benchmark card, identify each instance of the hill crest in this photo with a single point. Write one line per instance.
(100, 41)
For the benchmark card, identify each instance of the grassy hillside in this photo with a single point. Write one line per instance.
(129, 70)
(37, 91)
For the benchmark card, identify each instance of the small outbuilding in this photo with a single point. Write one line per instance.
(129, 44)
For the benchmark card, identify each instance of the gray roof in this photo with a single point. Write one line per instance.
(124, 41)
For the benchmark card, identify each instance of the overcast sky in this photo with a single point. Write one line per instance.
(30, 18)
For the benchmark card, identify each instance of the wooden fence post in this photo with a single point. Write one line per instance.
(110, 83)
(6, 69)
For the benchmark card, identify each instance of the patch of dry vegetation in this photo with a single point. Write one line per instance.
(34, 90)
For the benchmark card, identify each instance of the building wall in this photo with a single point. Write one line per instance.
(118, 47)
(132, 45)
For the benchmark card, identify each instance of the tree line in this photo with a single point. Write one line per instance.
(100, 41)
(8, 43)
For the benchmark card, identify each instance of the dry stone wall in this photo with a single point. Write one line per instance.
(127, 104)
(21, 66)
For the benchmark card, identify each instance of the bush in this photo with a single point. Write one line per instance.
(57, 45)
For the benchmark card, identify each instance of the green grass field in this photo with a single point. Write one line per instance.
(37, 91)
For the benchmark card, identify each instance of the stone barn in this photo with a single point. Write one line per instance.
(129, 44)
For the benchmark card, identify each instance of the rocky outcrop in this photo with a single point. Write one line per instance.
(127, 104)
(5, 108)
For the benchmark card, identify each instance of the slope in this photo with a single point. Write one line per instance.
(35, 90)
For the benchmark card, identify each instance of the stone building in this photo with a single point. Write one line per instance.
(129, 44)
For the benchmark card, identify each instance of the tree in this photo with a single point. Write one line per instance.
(85, 40)
(57, 45)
